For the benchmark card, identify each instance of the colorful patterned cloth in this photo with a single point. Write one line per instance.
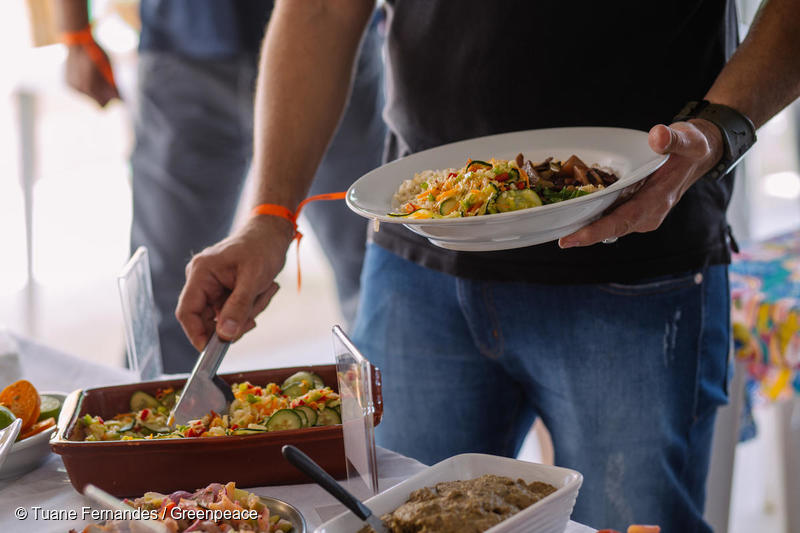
(765, 286)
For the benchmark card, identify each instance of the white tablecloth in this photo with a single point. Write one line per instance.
(48, 487)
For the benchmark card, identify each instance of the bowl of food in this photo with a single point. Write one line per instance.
(38, 412)
(117, 437)
(509, 190)
(216, 507)
(490, 493)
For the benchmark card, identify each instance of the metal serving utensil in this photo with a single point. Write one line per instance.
(107, 501)
(305, 464)
(204, 391)
(7, 438)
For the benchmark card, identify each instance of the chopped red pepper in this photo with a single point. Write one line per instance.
(452, 175)
(235, 426)
(501, 177)
(145, 412)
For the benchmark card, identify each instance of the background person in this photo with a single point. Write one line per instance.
(194, 124)
(621, 348)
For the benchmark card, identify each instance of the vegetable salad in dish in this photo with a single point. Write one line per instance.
(303, 400)
(496, 186)
(239, 511)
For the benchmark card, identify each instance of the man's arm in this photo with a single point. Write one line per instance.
(82, 72)
(304, 76)
(761, 78)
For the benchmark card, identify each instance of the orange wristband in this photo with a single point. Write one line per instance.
(85, 39)
(280, 211)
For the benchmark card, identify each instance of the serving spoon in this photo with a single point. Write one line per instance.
(305, 464)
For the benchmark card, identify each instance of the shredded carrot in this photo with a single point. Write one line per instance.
(446, 194)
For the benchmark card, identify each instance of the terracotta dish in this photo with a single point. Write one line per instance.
(132, 467)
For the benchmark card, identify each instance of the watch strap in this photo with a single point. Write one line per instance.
(738, 132)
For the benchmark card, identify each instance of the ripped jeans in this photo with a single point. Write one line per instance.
(627, 378)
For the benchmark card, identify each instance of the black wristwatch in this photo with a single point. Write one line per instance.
(738, 132)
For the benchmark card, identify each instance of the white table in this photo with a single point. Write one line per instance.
(48, 487)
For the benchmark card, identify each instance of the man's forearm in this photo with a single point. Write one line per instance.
(763, 76)
(303, 82)
(72, 15)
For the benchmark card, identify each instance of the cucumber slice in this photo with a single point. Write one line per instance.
(318, 383)
(284, 419)
(155, 427)
(311, 415)
(51, 407)
(141, 400)
(448, 205)
(122, 424)
(328, 417)
(298, 388)
(302, 416)
(248, 431)
(298, 376)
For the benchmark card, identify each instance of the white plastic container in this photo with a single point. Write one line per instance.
(549, 515)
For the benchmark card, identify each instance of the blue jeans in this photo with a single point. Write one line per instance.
(627, 378)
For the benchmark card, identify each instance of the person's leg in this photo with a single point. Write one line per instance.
(189, 161)
(627, 379)
(355, 149)
(442, 395)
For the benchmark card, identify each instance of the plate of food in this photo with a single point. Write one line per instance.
(473, 492)
(214, 508)
(509, 190)
(38, 412)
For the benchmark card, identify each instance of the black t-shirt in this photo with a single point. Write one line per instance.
(467, 68)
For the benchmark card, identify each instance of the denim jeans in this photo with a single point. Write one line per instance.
(627, 378)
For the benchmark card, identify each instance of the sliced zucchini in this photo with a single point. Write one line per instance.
(448, 205)
(318, 383)
(298, 376)
(479, 163)
(155, 427)
(421, 213)
(284, 419)
(311, 415)
(402, 215)
(248, 431)
(514, 200)
(298, 388)
(302, 416)
(328, 417)
(126, 424)
(141, 400)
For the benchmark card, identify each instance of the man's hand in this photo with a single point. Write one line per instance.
(230, 283)
(694, 148)
(84, 75)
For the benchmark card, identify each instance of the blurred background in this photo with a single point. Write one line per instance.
(65, 213)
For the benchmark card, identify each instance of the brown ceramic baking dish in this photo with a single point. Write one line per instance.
(130, 468)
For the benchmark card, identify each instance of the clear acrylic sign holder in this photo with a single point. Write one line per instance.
(139, 314)
(354, 373)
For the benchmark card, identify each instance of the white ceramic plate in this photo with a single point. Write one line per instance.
(549, 515)
(30, 453)
(622, 150)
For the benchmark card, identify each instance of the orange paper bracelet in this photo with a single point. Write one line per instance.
(280, 211)
(85, 39)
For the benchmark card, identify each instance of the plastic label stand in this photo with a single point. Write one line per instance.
(139, 314)
(354, 373)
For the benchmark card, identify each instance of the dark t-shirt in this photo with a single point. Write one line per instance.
(457, 70)
(204, 29)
